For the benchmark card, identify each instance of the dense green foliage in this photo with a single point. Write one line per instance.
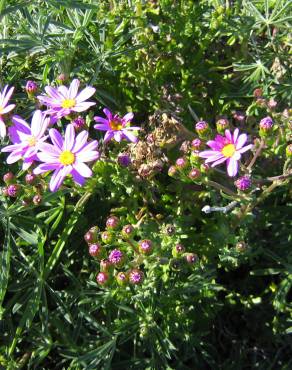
(188, 60)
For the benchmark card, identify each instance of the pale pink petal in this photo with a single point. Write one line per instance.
(73, 89)
(228, 135)
(85, 94)
(90, 146)
(102, 127)
(8, 108)
(56, 138)
(80, 141)
(87, 156)
(128, 117)
(49, 149)
(12, 148)
(118, 136)
(221, 160)
(232, 166)
(82, 169)
(58, 177)
(69, 137)
(214, 158)
(81, 107)
(235, 135)
(63, 90)
(53, 93)
(108, 113)
(130, 136)
(245, 149)
(108, 136)
(14, 157)
(2, 128)
(241, 141)
(26, 164)
(8, 95)
(209, 153)
(44, 157)
(45, 167)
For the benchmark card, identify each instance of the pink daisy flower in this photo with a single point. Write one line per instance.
(226, 148)
(67, 156)
(26, 138)
(5, 95)
(62, 100)
(116, 127)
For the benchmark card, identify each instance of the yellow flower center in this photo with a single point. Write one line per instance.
(116, 125)
(67, 157)
(1, 110)
(68, 103)
(32, 141)
(228, 150)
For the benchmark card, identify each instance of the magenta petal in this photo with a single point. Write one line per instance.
(108, 136)
(77, 177)
(58, 177)
(215, 145)
(232, 166)
(85, 94)
(108, 113)
(82, 169)
(102, 127)
(69, 137)
(101, 120)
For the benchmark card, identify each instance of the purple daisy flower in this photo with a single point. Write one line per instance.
(62, 100)
(26, 139)
(226, 148)
(116, 127)
(5, 95)
(67, 156)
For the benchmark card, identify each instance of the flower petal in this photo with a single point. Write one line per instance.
(73, 89)
(245, 149)
(108, 136)
(56, 138)
(85, 94)
(131, 137)
(80, 141)
(45, 167)
(2, 128)
(128, 117)
(82, 169)
(87, 156)
(232, 166)
(209, 153)
(235, 135)
(241, 141)
(69, 137)
(81, 107)
(219, 161)
(102, 126)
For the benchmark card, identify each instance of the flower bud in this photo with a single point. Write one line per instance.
(91, 235)
(195, 156)
(194, 174)
(102, 278)
(261, 102)
(243, 183)
(107, 237)
(128, 231)
(257, 93)
(145, 246)
(94, 249)
(170, 229)
(185, 146)
(78, 123)
(25, 202)
(116, 257)
(181, 163)
(272, 103)
(172, 171)
(122, 278)
(196, 144)
(178, 250)
(37, 199)
(62, 78)
(239, 116)
(205, 167)
(112, 222)
(13, 190)
(175, 264)
(191, 258)
(30, 179)
(266, 125)
(136, 276)
(202, 128)
(289, 150)
(241, 246)
(31, 87)
(105, 265)
(8, 178)
(124, 160)
(4, 191)
(222, 124)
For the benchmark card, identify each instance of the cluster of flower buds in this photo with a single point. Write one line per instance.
(29, 191)
(118, 254)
